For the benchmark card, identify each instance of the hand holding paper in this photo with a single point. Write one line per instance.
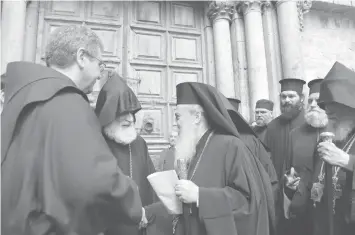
(163, 183)
(187, 191)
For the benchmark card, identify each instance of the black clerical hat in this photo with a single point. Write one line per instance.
(338, 86)
(292, 84)
(115, 99)
(210, 100)
(239, 122)
(265, 104)
(235, 102)
(314, 85)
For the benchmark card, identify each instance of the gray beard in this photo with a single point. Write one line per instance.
(262, 124)
(316, 119)
(185, 147)
(119, 135)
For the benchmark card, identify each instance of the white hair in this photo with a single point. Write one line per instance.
(194, 109)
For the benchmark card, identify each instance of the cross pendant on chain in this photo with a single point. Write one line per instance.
(337, 191)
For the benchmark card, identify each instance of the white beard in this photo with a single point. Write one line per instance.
(120, 135)
(261, 123)
(317, 118)
(185, 147)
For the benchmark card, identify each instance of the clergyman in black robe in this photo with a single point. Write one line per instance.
(335, 212)
(58, 174)
(116, 108)
(225, 191)
(302, 148)
(263, 116)
(252, 142)
(277, 134)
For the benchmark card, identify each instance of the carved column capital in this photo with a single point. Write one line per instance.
(220, 10)
(303, 7)
(265, 5)
(252, 5)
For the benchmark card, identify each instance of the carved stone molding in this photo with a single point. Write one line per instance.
(252, 5)
(220, 10)
(303, 7)
(265, 5)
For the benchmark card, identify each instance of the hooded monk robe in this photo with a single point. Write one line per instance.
(58, 174)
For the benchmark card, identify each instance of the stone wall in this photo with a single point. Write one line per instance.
(328, 36)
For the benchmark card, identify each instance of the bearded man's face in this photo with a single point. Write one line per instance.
(262, 116)
(122, 130)
(315, 116)
(341, 120)
(291, 103)
(173, 136)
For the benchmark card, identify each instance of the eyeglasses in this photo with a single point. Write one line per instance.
(102, 65)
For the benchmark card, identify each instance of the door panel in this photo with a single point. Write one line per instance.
(165, 37)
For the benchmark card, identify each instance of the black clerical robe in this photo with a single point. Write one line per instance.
(260, 131)
(142, 166)
(232, 198)
(58, 176)
(259, 151)
(254, 144)
(342, 222)
(277, 139)
(302, 147)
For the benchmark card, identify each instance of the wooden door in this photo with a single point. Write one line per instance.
(164, 48)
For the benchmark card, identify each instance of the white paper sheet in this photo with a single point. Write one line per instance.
(163, 183)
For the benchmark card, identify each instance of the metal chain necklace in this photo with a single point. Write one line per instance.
(130, 162)
(200, 157)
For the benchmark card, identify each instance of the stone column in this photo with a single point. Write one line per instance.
(13, 31)
(31, 31)
(240, 63)
(219, 14)
(210, 61)
(273, 54)
(289, 14)
(257, 71)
